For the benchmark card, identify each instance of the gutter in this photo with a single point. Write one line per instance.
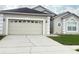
(38, 14)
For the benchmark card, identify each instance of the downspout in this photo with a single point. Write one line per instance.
(61, 25)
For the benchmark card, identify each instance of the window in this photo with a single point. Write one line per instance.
(46, 21)
(24, 21)
(15, 21)
(71, 28)
(59, 24)
(40, 21)
(20, 21)
(72, 25)
(74, 28)
(4, 20)
(28, 21)
(36, 21)
(32, 21)
(11, 21)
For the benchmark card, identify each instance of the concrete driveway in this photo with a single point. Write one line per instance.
(31, 44)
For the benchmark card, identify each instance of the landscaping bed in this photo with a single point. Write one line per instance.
(1, 37)
(66, 39)
(77, 50)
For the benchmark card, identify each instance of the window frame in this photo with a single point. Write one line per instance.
(73, 25)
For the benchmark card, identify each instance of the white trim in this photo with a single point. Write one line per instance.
(6, 29)
(27, 18)
(39, 14)
(48, 26)
(43, 27)
(1, 23)
(64, 26)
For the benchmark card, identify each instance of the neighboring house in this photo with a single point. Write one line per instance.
(66, 23)
(45, 10)
(24, 21)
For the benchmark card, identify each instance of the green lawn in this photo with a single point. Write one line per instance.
(1, 37)
(67, 39)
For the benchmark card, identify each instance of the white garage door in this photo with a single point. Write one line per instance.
(25, 26)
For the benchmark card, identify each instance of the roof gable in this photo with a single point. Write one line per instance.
(66, 15)
(42, 9)
(70, 16)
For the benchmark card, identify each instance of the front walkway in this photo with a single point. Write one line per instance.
(31, 44)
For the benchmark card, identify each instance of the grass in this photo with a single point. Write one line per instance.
(66, 39)
(1, 37)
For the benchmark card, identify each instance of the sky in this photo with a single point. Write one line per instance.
(54, 8)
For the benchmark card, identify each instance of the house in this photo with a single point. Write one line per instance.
(24, 21)
(66, 23)
(37, 22)
(45, 10)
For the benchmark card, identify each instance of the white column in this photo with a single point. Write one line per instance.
(6, 27)
(48, 26)
(1, 23)
(64, 27)
(44, 27)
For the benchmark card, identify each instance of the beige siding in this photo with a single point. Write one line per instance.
(57, 29)
(47, 25)
(1, 24)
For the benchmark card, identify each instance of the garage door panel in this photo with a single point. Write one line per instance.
(25, 28)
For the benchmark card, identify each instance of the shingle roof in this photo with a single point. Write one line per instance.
(66, 14)
(45, 9)
(24, 10)
(63, 14)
